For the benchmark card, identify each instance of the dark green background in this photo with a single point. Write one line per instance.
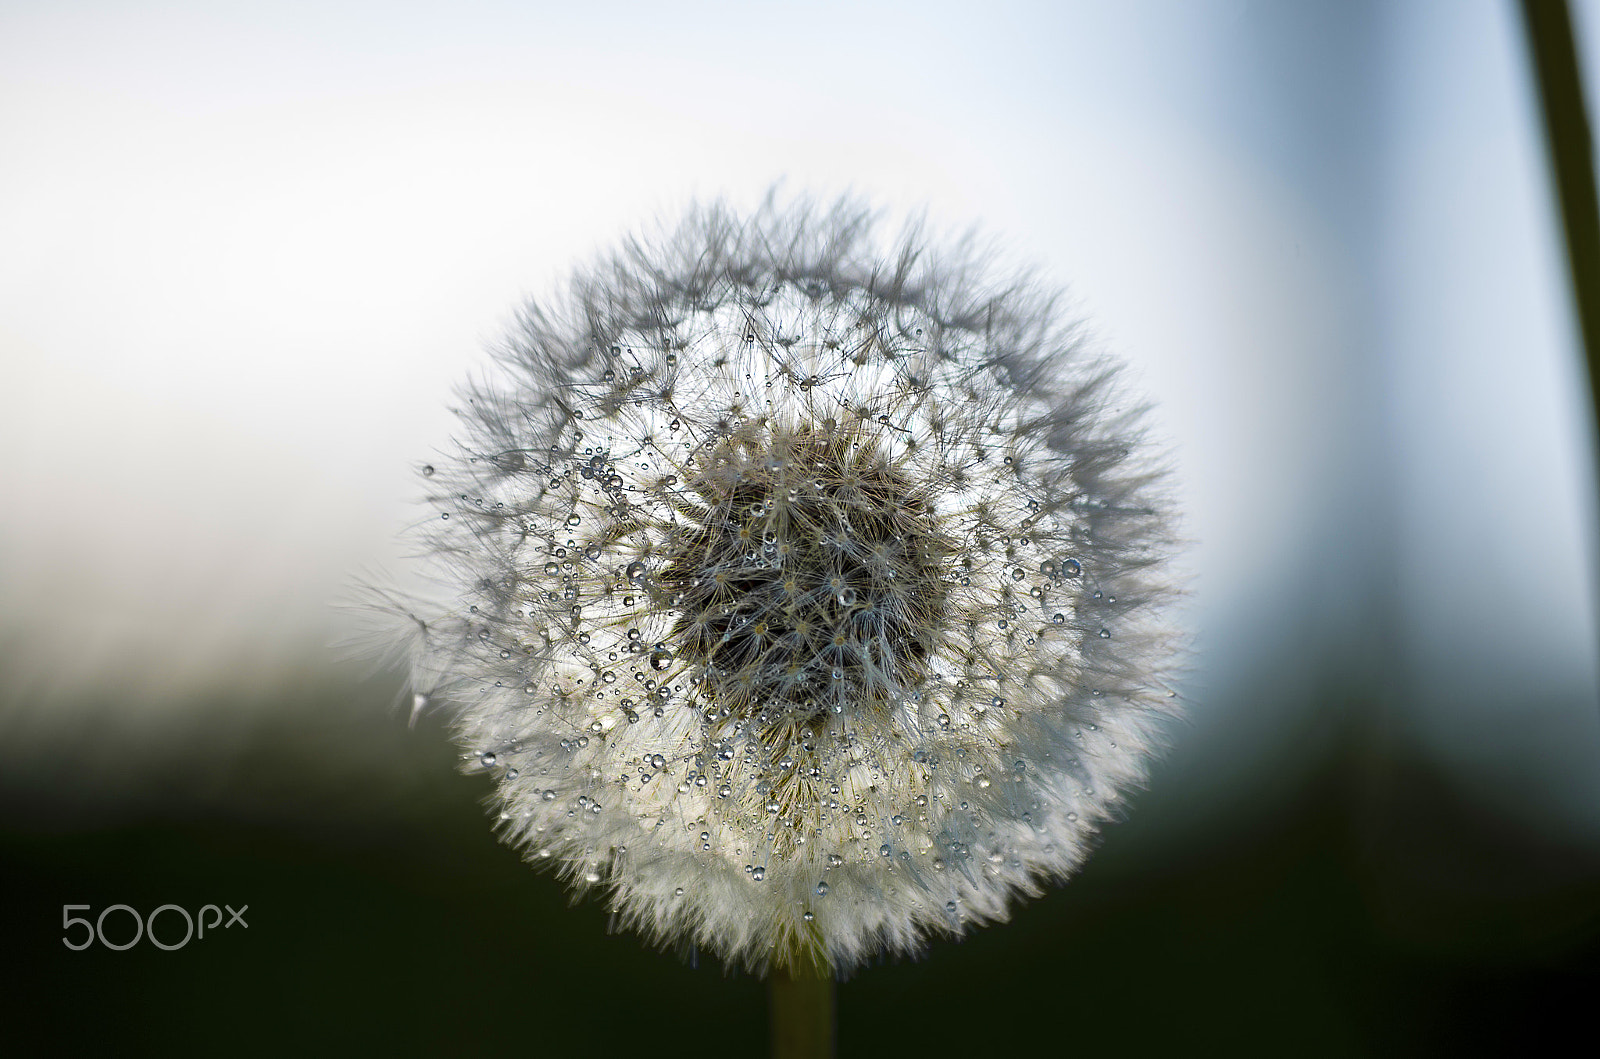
(1351, 904)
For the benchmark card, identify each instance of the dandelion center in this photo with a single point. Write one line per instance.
(811, 578)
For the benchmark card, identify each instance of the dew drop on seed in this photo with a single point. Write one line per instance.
(1105, 634)
(758, 873)
(660, 658)
(1071, 568)
(488, 759)
(635, 571)
(427, 470)
(1059, 619)
(822, 889)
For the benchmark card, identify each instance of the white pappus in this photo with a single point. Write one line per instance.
(803, 590)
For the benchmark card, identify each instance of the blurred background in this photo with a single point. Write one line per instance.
(248, 251)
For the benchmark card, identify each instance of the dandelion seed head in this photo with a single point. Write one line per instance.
(802, 592)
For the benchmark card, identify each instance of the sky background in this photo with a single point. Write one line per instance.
(247, 252)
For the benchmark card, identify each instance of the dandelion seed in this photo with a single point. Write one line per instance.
(826, 535)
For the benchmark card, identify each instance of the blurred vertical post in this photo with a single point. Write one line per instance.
(1571, 150)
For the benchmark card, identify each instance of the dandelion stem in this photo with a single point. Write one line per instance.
(802, 1011)
(1570, 146)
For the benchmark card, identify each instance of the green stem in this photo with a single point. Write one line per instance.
(1567, 136)
(802, 1011)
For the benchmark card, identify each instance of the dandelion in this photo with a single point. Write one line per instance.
(802, 589)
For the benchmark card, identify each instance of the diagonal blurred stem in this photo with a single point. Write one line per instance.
(801, 998)
(1571, 150)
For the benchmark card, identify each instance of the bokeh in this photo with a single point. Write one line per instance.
(249, 252)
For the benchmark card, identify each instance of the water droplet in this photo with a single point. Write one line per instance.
(822, 889)
(660, 658)
(1017, 574)
(1105, 634)
(573, 520)
(883, 850)
(950, 906)
(657, 761)
(635, 571)
(488, 759)
(981, 781)
(427, 470)
(445, 515)
(758, 873)
(1071, 568)
(1058, 619)
(511, 774)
